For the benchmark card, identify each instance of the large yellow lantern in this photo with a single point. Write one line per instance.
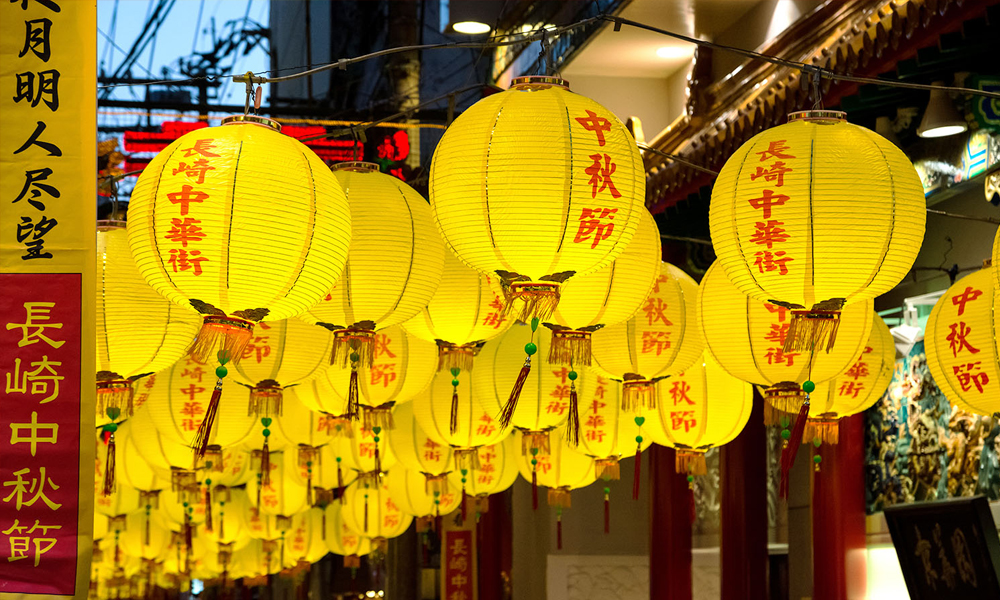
(607, 433)
(280, 493)
(370, 511)
(139, 332)
(815, 215)
(341, 539)
(466, 310)
(243, 224)
(403, 366)
(358, 450)
(746, 338)
(410, 491)
(304, 541)
(660, 340)
(856, 389)
(606, 297)
(394, 265)
(547, 392)
(537, 184)
(496, 471)
(417, 451)
(701, 408)
(143, 538)
(960, 342)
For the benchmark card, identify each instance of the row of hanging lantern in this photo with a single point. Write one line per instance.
(389, 347)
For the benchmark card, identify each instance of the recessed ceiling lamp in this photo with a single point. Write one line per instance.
(941, 119)
(673, 52)
(471, 27)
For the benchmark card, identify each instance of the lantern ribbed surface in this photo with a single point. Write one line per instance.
(138, 330)
(340, 539)
(396, 256)
(228, 526)
(562, 467)
(414, 448)
(357, 452)
(318, 395)
(544, 401)
(662, 338)
(385, 519)
(134, 541)
(289, 352)
(284, 495)
(131, 467)
(467, 307)
(304, 541)
(817, 209)
(745, 336)
(297, 425)
(410, 491)
(614, 293)
(700, 408)
(496, 472)
(960, 341)
(535, 181)
(240, 217)
(476, 425)
(864, 382)
(178, 401)
(605, 429)
(158, 450)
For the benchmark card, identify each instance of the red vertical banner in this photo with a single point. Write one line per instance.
(40, 346)
(458, 563)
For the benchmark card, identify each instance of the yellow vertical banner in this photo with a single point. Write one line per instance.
(48, 165)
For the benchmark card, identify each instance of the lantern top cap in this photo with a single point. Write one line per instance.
(829, 116)
(537, 82)
(109, 225)
(241, 119)
(356, 165)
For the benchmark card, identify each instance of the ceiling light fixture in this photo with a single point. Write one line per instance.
(941, 119)
(471, 27)
(674, 52)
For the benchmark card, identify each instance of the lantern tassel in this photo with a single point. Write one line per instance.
(573, 418)
(366, 513)
(109, 467)
(148, 519)
(828, 432)
(453, 426)
(638, 393)
(788, 452)
(534, 490)
(638, 472)
(378, 462)
(607, 513)
(353, 410)
(229, 335)
(340, 483)
(570, 347)
(208, 509)
(812, 330)
(201, 441)
(265, 465)
(309, 488)
(222, 526)
(323, 530)
(188, 534)
(559, 529)
(464, 510)
(692, 463)
(508, 410)
(530, 300)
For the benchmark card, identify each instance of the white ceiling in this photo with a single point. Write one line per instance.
(632, 52)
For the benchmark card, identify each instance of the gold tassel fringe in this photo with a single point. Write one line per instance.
(379, 416)
(528, 300)
(352, 561)
(608, 468)
(265, 399)
(570, 347)
(638, 393)
(559, 497)
(435, 484)
(467, 458)
(812, 330)
(534, 439)
(150, 499)
(827, 430)
(114, 393)
(691, 462)
(212, 459)
(335, 426)
(351, 340)
(461, 356)
(424, 523)
(229, 335)
(782, 400)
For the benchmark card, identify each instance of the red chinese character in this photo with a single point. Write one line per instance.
(956, 339)
(966, 377)
(201, 147)
(682, 418)
(595, 421)
(679, 392)
(191, 391)
(182, 260)
(766, 262)
(777, 333)
(655, 340)
(556, 407)
(967, 296)
(192, 409)
(494, 319)
(654, 310)
(366, 450)
(190, 424)
(562, 374)
(259, 347)
(186, 196)
(659, 279)
(384, 373)
(850, 388)
(596, 124)
(781, 310)
(185, 230)
(858, 370)
(486, 429)
(590, 224)
(778, 356)
(766, 201)
(196, 169)
(594, 435)
(382, 341)
(195, 373)
(432, 455)
(769, 233)
(775, 149)
(601, 176)
(599, 392)
(776, 173)
(596, 406)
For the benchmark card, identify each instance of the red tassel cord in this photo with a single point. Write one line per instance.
(453, 425)
(222, 524)
(789, 452)
(366, 513)
(573, 418)
(638, 472)
(201, 441)
(378, 462)
(109, 461)
(465, 513)
(534, 490)
(353, 405)
(265, 465)
(324, 525)
(188, 533)
(340, 482)
(208, 506)
(508, 410)
(607, 511)
(558, 529)
(148, 519)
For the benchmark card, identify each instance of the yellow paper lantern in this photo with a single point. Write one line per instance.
(394, 265)
(341, 539)
(417, 451)
(561, 470)
(304, 541)
(144, 538)
(746, 337)
(139, 332)
(259, 557)
(537, 184)
(496, 472)
(960, 341)
(243, 224)
(230, 506)
(699, 409)
(607, 433)
(606, 297)
(409, 489)
(133, 469)
(181, 399)
(280, 493)
(370, 511)
(661, 339)
(815, 215)
(858, 388)
(545, 395)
